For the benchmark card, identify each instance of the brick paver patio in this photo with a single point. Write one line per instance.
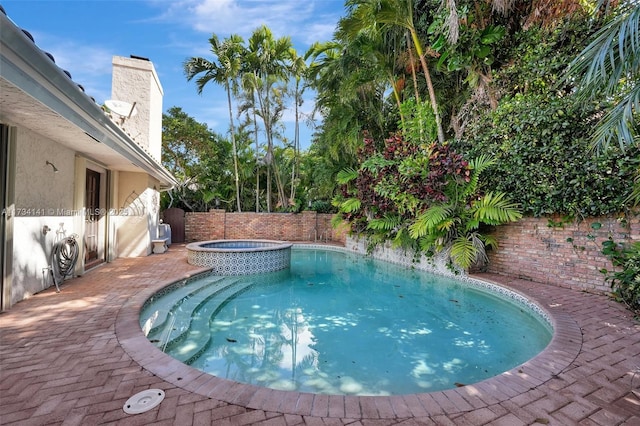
(75, 357)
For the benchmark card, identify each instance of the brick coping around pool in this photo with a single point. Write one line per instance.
(76, 357)
(556, 357)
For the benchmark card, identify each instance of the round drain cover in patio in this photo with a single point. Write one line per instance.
(143, 401)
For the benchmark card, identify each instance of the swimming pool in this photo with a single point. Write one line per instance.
(339, 323)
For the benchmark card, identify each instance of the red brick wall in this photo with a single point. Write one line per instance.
(204, 226)
(566, 256)
(305, 226)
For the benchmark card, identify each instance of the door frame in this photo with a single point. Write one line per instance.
(101, 232)
(7, 203)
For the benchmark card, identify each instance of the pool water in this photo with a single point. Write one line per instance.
(340, 323)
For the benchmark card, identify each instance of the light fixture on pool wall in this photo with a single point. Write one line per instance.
(55, 169)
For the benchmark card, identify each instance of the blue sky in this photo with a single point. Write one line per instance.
(84, 35)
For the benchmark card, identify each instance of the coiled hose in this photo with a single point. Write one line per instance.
(64, 256)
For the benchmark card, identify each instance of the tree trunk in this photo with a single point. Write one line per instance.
(233, 145)
(255, 127)
(414, 77)
(296, 148)
(432, 93)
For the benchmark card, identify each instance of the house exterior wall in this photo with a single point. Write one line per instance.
(37, 186)
(305, 226)
(136, 214)
(44, 210)
(50, 206)
(45, 116)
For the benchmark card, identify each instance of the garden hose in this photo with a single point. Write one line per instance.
(64, 256)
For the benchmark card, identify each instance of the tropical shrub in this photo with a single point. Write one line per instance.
(322, 206)
(540, 135)
(422, 194)
(535, 60)
(625, 279)
(544, 159)
(458, 223)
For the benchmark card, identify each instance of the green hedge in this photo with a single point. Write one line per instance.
(544, 158)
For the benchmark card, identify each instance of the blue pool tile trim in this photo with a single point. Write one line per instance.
(240, 257)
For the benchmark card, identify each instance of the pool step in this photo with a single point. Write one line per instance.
(190, 344)
(181, 317)
(160, 321)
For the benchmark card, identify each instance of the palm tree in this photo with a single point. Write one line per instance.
(396, 13)
(609, 68)
(248, 81)
(381, 49)
(454, 225)
(297, 69)
(225, 72)
(350, 98)
(267, 59)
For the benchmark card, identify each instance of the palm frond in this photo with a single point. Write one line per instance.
(471, 225)
(619, 122)
(609, 67)
(446, 225)
(477, 165)
(467, 250)
(350, 205)
(428, 221)
(386, 223)
(611, 56)
(495, 209)
(345, 176)
(402, 239)
(428, 243)
(336, 220)
(490, 241)
(482, 162)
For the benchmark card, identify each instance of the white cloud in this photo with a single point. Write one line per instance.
(319, 32)
(304, 21)
(242, 17)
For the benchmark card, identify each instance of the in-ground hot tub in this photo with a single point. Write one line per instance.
(240, 257)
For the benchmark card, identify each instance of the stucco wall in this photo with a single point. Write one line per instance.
(37, 186)
(32, 252)
(137, 214)
(135, 80)
(44, 210)
(47, 210)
